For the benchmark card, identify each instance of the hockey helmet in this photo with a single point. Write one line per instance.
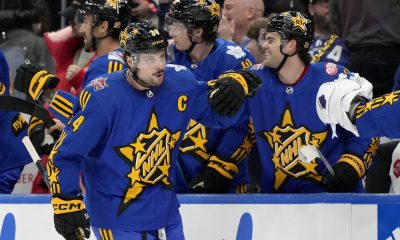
(116, 12)
(195, 13)
(290, 25)
(142, 37)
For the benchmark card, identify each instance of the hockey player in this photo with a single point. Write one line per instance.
(285, 118)
(12, 152)
(101, 22)
(125, 135)
(193, 25)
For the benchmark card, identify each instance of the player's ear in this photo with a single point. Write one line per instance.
(197, 34)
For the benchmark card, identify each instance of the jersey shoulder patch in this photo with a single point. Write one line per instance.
(116, 55)
(235, 51)
(176, 67)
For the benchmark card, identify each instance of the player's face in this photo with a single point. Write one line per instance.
(179, 33)
(255, 50)
(86, 31)
(270, 43)
(151, 66)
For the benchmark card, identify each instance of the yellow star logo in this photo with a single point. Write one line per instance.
(199, 142)
(202, 2)
(112, 3)
(139, 147)
(390, 98)
(214, 9)
(124, 37)
(299, 22)
(135, 31)
(134, 176)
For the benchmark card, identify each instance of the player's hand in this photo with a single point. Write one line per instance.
(215, 178)
(32, 80)
(70, 217)
(72, 70)
(345, 179)
(228, 92)
(226, 28)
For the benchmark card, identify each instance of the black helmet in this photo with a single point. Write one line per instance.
(116, 12)
(196, 13)
(292, 25)
(141, 37)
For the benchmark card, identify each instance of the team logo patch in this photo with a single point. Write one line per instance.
(235, 51)
(285, 140)
(396, 168)
(99, 83)
(149, 159)
(116, 56)
(257, 66)
(18, 124)
(331, 69)
(177, 68)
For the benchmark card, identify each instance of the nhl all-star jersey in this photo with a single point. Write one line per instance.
(61, 106)
(13, 126)
(200, 142)
(329, 48)
(128, 143)
(285, 119)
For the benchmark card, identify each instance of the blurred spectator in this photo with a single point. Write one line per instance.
(66, 47)
(18, 40)
(396, 85)
(238, 16)
(289, 5)
(326, 47)
(144, 9)
(252, 34)
(371, 31)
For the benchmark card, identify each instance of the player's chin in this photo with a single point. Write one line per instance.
(158, 79)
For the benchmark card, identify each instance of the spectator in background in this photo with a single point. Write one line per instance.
(288, 5)
(66, 47)
(144, 9)
(238, 16)
(253, 46)
(18, 39)
(371, 31)
(326, 47)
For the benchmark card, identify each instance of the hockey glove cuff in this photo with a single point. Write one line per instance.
(32, 80)
(70, 217)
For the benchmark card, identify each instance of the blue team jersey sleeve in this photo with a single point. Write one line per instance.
(62, 106)
(82, 135)
(5, 76)
(380, 117)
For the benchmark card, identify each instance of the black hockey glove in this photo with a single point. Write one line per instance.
(215, 178)
(41, 140)
(32, 80)
(345, 179)
(70, 217)
(230, 89)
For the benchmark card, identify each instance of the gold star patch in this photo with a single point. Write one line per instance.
(112, 3)
(299, 22)
(214, 9)
(124, 37)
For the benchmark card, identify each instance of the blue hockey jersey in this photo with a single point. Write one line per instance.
(200, 142)
(128, 143)
(379, 117)
(61, 106)
(14, 127)
(329, 49)
(285, 119)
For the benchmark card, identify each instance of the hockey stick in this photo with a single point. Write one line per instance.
(36, 159)
(19, 105)
(310, 152)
